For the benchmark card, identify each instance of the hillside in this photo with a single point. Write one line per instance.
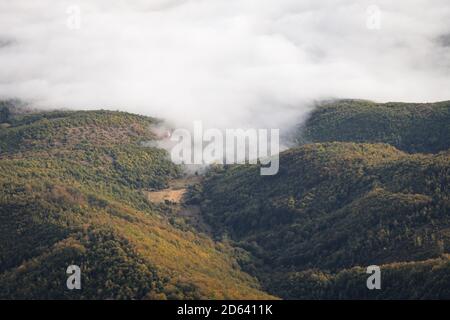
(334, 208)
(72, 192)
(86, 188)
(411, 127)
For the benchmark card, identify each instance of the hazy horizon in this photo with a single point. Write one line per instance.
(228, 63)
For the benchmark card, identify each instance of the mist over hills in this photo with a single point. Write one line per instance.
(366, 184)
(257, 63)
(91, 90)
(72, 193)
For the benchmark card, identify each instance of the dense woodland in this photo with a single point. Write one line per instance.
(71, 187)
(335, 208)
(411, 127)
(366, 184)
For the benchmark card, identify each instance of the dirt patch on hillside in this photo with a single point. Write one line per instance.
(174, 197)
(174, 194)
(166, 195)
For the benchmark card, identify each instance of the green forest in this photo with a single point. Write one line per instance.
(71, 194)
(364, 184)
(367, 184)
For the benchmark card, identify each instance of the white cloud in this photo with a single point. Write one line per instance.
(228, 62)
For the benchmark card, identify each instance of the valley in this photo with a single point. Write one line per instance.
(84, 188)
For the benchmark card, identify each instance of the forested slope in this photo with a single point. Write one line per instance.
(411, 127)
(71, 193)
(368, 184)
(335, 208)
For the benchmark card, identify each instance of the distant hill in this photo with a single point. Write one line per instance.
(71, 193)
(411, 127)
(334, 207)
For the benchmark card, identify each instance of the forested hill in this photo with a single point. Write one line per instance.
(367, 184)
(343, 201)
(411, 127)
(72, 193)
(333, 209)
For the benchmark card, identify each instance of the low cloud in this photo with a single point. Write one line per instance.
(229, 63)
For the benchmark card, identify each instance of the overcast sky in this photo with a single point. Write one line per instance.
(228, 62)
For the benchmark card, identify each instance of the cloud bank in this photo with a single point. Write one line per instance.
(229, 63)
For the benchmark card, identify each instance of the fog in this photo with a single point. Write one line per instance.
(230, 63)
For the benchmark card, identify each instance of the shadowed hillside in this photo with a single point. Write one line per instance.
(333, 207)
